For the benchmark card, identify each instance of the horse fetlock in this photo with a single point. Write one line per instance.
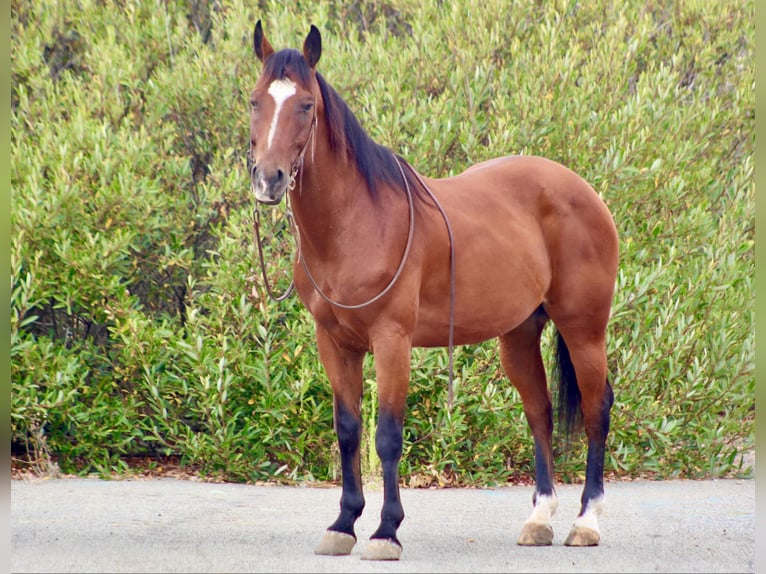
(545, 506)
(352, 505)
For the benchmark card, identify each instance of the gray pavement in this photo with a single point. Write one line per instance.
(168, 525)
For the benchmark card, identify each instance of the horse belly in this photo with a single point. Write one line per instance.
(497, 288)
(483, 328)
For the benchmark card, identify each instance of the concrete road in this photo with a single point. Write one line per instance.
(168, 525)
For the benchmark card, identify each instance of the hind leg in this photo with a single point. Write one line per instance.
(588, 356)
(584, 254)
(523, 363)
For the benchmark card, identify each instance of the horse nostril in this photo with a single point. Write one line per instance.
(280, 175)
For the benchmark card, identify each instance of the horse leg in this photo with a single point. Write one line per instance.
(522, 361)
(588, 357)
(344, 369)
(392, 368)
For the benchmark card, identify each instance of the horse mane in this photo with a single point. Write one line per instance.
(376, 163)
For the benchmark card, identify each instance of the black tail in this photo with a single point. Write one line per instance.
(569, 412)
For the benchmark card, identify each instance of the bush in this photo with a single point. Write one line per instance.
(139, 326)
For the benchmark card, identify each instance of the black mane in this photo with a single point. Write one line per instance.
(376, 163)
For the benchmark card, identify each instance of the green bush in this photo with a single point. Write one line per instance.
(139, 326)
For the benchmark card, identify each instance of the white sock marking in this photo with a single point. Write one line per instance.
(280, 90)
(545, 508)
(589, 518)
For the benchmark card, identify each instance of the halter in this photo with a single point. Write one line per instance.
(298, 163)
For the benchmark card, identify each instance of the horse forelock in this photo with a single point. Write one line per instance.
(286, 63)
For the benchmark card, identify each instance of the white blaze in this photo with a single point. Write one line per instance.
(280, 90)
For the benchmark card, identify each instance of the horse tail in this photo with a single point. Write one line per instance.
(569, 412)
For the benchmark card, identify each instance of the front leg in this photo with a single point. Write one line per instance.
(344, 369)
(392, 367)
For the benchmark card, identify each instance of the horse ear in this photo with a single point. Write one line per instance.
(262, 47)
(312, 47)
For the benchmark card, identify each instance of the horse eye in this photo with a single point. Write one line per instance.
(307, 107)
(253, 105)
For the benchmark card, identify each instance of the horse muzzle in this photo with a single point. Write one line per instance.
(269, 187)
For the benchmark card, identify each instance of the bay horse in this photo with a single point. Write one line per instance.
(389, 260)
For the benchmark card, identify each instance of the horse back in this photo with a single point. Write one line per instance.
(536, 194)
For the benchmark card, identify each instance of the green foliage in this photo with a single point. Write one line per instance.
(138, 323)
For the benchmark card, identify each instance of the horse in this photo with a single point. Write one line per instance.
(388, 260)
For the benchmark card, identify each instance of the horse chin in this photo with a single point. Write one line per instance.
(268, 200)
(268, 196)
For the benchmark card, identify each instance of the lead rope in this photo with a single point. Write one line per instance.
(257, 240)
(405, 255)
(257, 236)
(452, 282)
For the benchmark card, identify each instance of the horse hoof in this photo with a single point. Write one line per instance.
(382, 549)
(335, 543)
(536, 534)
(582, 536)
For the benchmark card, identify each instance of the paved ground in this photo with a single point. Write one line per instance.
(167, 525)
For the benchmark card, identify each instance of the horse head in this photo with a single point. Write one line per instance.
(283, 114)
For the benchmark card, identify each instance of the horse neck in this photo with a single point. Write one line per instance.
(332, 205)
